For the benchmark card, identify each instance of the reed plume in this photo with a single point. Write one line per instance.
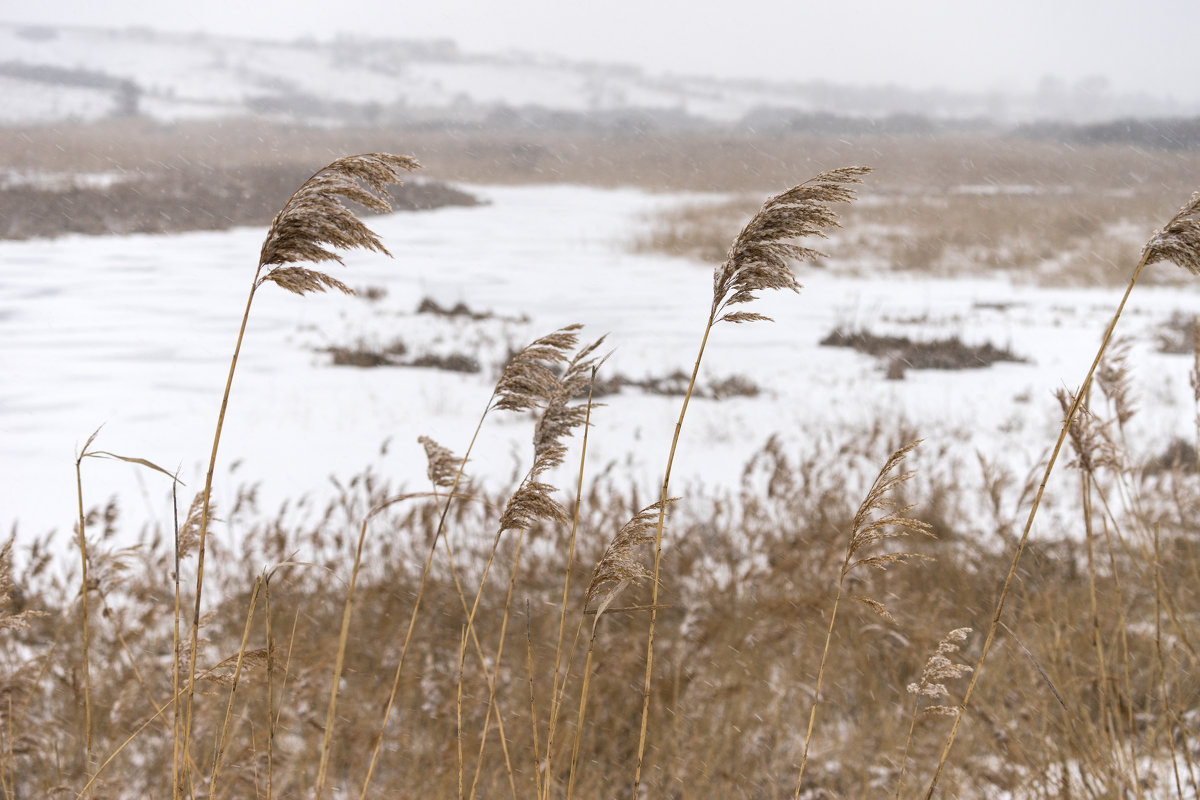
(441, 464)
(939, 669)
(11, 619)
(312, 224)
(621, 565)
(761, 258)
(879, 518)
(623, 562)
(1178, 242)
(531, 381)
(764, 253)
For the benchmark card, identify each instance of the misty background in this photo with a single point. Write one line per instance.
(758, 64)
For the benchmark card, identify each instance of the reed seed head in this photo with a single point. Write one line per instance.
(223, 673)
(880, 518)
(622, 563)
(11, 618)
(1179, 240)
(1090, 437)
(762, 255)
(443, 465)
(561, 417)
(314, 222)
(939, 669)
(529, 378)
(532, 501)
(1115, 379)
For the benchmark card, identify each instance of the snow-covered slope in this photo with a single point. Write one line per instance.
(50, 74)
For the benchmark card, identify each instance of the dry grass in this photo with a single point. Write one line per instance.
(741, 629)
(445, 656)
(1074, 233)
(945, 204)
(708, 162)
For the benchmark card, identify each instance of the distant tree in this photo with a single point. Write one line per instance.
(126, 99)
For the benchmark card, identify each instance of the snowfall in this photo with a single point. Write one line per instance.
(132, 335)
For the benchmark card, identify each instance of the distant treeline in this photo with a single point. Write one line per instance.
(63, 76)
(1177, 133)
(1158, 134)
(125, 92)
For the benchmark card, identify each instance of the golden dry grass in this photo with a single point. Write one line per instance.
(444, 659)
(744, 615)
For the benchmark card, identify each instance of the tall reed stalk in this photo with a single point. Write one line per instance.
(877, 520)
(87, 452)
(528, 382)
(760, 258)
(310, 226)
(1178, 242)
(83, 605)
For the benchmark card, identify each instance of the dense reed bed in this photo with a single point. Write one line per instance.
(848, 623)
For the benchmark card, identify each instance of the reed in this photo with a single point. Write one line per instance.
(1177, 242)
(761, 258)
(879, 519)
(312, 225)
(697, 617)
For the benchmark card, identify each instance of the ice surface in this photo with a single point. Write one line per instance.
(134, 333)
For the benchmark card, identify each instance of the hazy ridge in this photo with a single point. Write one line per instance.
(58, 74)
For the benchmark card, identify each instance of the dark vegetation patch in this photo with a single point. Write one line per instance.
(675, 385)
(363, 355)
(460, 309)
(372, 294)
(1169, 133)
(902, 353)
(395, 354)
(180, 198)
(452, 362)
(1177, 335)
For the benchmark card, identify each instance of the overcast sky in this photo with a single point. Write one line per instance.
(1137, 45)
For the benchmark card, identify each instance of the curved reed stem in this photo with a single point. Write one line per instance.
(556, 688)
(664, 498)
(83, 599)
(206, 506)
(812, 714)
(1037, 500)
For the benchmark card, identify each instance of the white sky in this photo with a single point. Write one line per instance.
(1137, 45)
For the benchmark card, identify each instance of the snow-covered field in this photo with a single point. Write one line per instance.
(55, 74)
(134, 334)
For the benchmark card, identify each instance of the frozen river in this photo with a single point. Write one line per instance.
(134, 334)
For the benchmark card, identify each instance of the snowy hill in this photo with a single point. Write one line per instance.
(52, 74)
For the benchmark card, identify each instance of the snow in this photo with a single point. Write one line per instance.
(187, 75)
(134, 334)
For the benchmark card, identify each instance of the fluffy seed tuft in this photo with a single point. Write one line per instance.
(1179, 240)
(762, 255)
(314, 222)
(621, 563)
